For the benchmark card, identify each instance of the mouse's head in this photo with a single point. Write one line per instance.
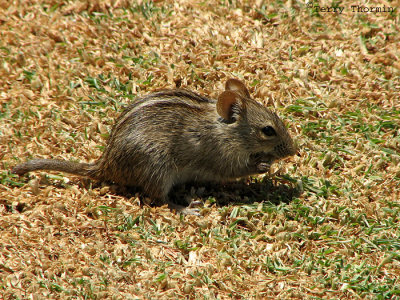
(257, 128)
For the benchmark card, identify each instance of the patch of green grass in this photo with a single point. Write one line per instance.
(8, 179)
(108, 92)
(144, 61)
(306, 106)
(22, 114)
(84, 288)
(51, 9)
(94, 83)
(99, 17)
(131, 261)
(148, 10)
(5, 110)
(105, 259)
(5, 49)
(29, 75)
(51, 286)
(130, 222)
(265, 15)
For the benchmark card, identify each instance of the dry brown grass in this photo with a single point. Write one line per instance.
(68, 68)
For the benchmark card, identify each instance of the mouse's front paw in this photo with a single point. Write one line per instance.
(262, 162)
(263, 167)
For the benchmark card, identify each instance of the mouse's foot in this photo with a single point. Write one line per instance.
(195, 203)
(189, 210)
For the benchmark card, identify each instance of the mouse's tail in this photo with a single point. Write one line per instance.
(83, 169)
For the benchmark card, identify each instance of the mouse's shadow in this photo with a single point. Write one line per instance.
(246, 191)
(240, 192)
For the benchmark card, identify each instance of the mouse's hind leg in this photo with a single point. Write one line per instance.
(191, 209)
(161, 190)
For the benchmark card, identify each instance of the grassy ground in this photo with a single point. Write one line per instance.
(324, 225)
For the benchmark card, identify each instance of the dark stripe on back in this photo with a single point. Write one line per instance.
(181, 93)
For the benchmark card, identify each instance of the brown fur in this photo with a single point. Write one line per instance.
(175, 136)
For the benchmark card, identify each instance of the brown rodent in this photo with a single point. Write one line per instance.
(175, 136)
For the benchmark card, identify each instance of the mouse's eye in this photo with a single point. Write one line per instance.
(268, 131)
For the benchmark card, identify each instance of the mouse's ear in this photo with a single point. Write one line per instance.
(237, 86)
(226, 103)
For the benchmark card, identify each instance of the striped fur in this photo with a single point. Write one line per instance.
(174, 136)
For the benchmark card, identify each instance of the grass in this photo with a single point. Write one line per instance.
(325, 225)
